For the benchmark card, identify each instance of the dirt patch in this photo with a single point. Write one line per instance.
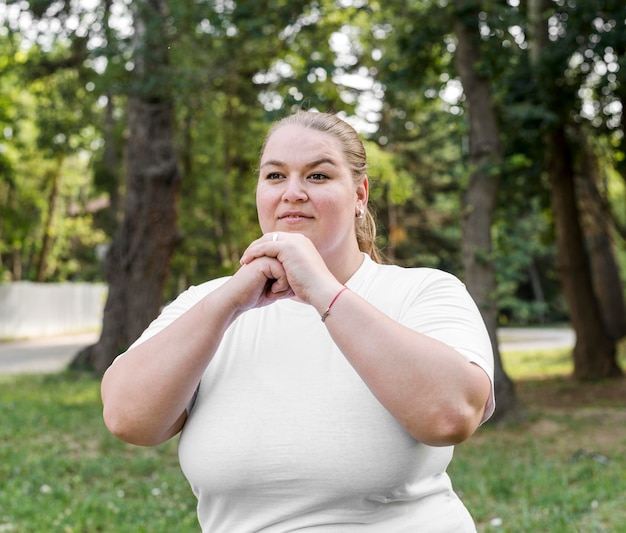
(575, 418)
(567, 393)
(586, 431)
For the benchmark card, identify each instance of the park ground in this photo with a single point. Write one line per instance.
(560, 470)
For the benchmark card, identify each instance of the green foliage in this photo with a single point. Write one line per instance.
(528, 284)
(232, 68)
(385, 174)
(47, 135)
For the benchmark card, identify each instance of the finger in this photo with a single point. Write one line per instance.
(265, 246)
(273, 294)
(278, 277)
(279, 285)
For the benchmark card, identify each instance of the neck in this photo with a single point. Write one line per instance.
(343, 268)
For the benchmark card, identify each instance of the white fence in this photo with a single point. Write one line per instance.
(44, 309)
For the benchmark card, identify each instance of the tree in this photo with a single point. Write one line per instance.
(597, 225)
(594, 352)
(425, 64)
(235, 66)
(239, 66)
(49, 124)
(480, 198)
(138, 261)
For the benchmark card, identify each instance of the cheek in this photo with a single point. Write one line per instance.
(329, 207)
(340, 205)
(264, 205)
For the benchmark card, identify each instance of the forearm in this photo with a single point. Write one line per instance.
(433, 391)
(145, 392)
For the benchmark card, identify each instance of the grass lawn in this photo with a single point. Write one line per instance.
(61, 471)
(561, 470)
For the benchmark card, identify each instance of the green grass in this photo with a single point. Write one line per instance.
(522, 480)
(61, 471)
(563, 470)
(546, 363)
(528, 365)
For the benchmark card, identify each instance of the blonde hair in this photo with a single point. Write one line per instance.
(356, 157)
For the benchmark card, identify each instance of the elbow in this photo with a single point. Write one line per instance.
(458, 427)
(127, 429)
(129, 420)
(122, 420)
(120, 428)
(447, 427)
(114, 424)
(455, 419)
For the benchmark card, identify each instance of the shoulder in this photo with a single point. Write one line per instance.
(426, 274)
(395, 289)
(193, 294)
(180, 305)
(413, 278)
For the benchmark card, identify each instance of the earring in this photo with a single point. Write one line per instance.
(361, 213)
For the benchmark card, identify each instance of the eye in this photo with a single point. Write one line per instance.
(318, 177)
(273, 176)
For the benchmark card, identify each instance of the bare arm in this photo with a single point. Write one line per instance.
(429, 387)
(146, 391)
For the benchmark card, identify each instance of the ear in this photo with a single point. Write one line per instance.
(362, 193)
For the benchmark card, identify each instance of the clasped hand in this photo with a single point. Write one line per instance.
(275, 268)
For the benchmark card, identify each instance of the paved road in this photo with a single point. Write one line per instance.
(54, 353)
(515, 339)
(50, 354)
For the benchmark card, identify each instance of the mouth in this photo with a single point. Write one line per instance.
(294, 216)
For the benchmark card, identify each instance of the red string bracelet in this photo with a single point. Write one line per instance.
(327, 312)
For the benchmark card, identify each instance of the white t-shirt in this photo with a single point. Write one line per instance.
(285, 436)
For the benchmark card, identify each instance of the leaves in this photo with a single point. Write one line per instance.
(233, 67)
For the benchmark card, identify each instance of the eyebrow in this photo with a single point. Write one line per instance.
(312, 164)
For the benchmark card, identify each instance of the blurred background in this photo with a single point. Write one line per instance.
(130, 132)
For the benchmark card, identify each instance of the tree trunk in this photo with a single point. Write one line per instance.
(46, 244)
(535, 282)
(597, 229)
(594, 352)
(137, 264)
(480, 199)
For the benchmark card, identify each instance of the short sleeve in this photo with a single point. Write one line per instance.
(442, 308)
(175, 309)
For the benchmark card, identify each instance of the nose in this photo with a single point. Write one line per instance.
(294, 190)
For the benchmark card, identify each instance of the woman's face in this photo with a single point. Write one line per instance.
(306, 186)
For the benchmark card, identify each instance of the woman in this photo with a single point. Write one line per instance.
(315, 388)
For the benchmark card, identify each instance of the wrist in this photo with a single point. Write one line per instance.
(323, 294)
(327, 312)
(227, 301)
